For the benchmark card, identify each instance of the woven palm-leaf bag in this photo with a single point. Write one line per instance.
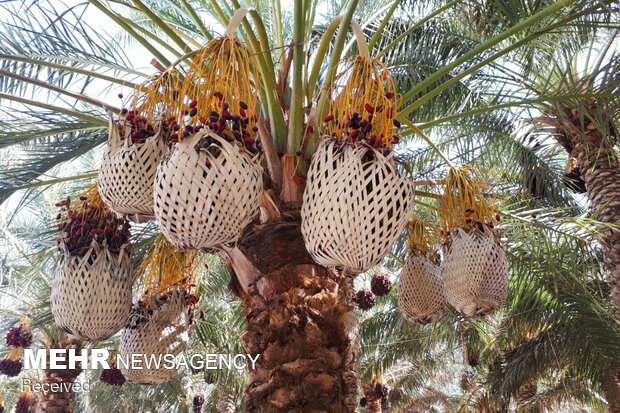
(475, 271)
(353, 210)
(91, 295)
(207, 193)
(421, 296)
(162, 326)
(128, 170)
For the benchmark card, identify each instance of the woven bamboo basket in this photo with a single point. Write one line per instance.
(353, 211)
(421, 296)
(165, 331)
(203, 207)
(127, 173)
(91, 295)
(475, 271)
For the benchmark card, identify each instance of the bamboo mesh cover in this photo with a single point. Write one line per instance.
(91, 295)
(475, 271)
(165, 331)
(199, 206)
(421, 296)
(353, 211)
(127, 173)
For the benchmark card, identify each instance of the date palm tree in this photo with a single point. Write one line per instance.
(453, 77)
(553, 345)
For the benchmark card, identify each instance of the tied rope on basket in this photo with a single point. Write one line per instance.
(421, 296)
(91, 289)
(210, 187)
(137, 143)
(356, 201)
(161, 321)
(475, 270)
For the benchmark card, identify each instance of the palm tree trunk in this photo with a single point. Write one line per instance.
(373, 400)
(602, 178)
(611, 392)
(591, 145)
(296, 312)
(352, 328)
(59, 401)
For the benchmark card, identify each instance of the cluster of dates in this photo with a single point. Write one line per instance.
(79, 227)
(24, 403)
(112, 376)
(381, 391)
(19, 336)
(231, 124)
(380, 286)
(359, 127)
(197, 403)
(10, 367)
(143, 309)
(142, 128)
(472, 224)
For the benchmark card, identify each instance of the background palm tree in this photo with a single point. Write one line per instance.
(468, 76)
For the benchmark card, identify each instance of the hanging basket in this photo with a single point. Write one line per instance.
(158, 326)
(128, 170)
(91, 294)
(421, 296)
(206, 196)
(353, 208)
(475, 271)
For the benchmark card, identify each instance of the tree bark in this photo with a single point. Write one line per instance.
(296, 313)
(589, 137)
(611, 392)
(352, 325)
(602, 178)
(59, 401)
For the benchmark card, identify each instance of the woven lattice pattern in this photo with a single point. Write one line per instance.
(91, 295)
(165, 331)
(353, 210)
(421, 296)
(127, 173)
(475, 272)
(199, 206)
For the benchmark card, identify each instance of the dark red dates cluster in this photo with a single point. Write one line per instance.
(198, 402)
(79, 227)
(231, 124)
(359, 127)
(19, 336)
(112, 377)
(10, 367)
(141, 128)
(365, 299)
(380, 285)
